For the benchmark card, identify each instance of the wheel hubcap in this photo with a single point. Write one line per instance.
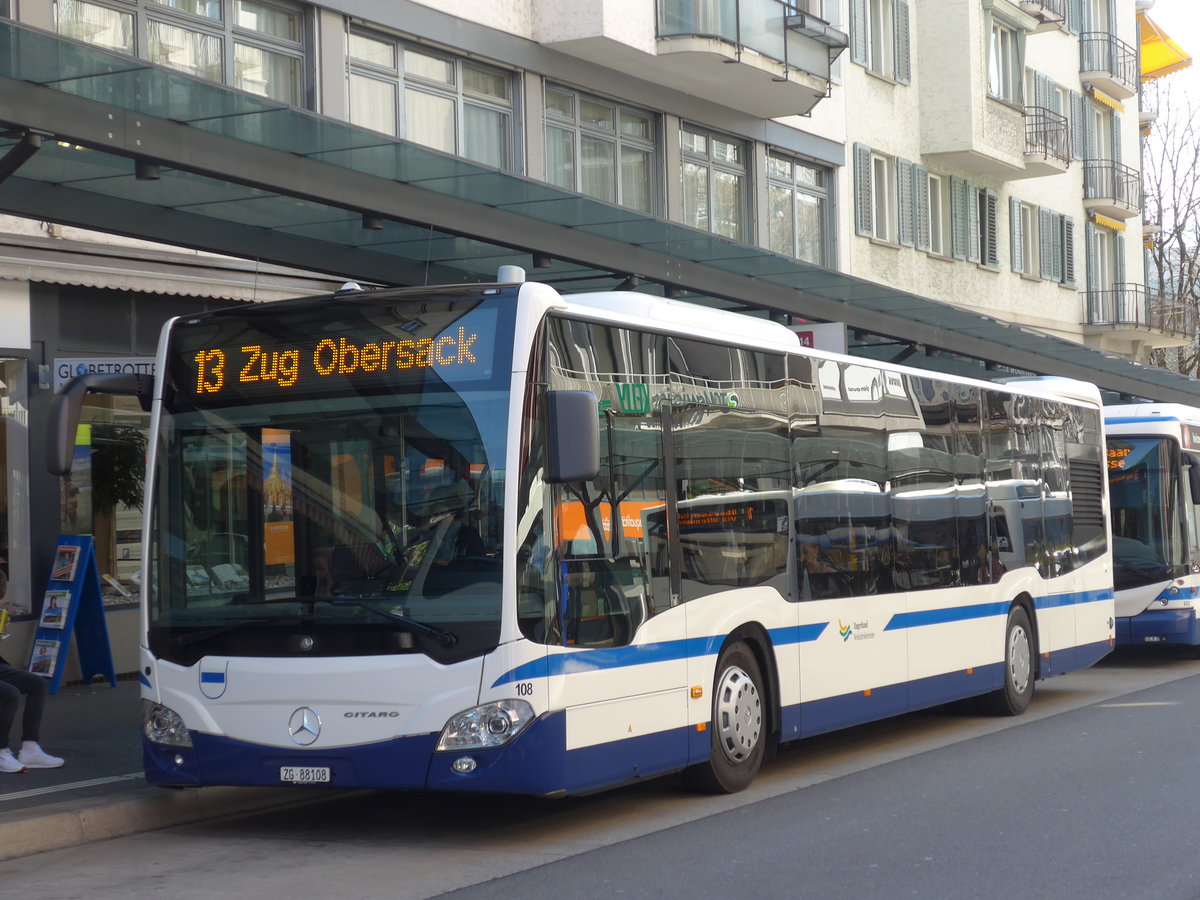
(1020, 664)
(739, 714)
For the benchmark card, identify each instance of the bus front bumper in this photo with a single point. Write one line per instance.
(1159, 626)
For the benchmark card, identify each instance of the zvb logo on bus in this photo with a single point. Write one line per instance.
(341, 357)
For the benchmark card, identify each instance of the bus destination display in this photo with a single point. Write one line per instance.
(287, 366)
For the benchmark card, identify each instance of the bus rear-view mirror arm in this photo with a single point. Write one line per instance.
(64, 412)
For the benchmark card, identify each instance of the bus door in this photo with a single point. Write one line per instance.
(615, 635)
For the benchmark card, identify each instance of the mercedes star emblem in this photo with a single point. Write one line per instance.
(304, 726)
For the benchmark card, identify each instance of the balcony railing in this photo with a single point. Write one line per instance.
(774, 28)
(1046, 134)
(1123, 304)
(1129, 304)
(1106, 54)
(1046, 10)
(1111, 186)
(1172, 317)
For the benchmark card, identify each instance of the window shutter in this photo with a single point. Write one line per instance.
(921, 206)
(1078, 134)
(1075, 16)
(1116, 138)
(904, 187)
(858, 31)
(1045, 242)
(903, 53)
(958, 218)
(973, 223)
(862, 190)
(1118, 260)
(1055, 273)
(991, 254)
(1015, 243)
(1068, 251)
(1112, 16)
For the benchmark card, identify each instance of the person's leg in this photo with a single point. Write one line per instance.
(35, 689)
(10, 699)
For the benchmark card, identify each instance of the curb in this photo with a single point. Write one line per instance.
(69, 824)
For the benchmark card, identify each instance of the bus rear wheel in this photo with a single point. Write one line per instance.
(1017, 693)
(738, 728)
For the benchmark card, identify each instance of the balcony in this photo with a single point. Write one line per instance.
(1049, 13)
(759, 56)
(1108, 63)
(1047, 142)
(1111, 189)
(1126, 317)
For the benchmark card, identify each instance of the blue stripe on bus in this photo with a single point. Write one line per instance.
(923, 617)
(594, 660)
(1139, 420)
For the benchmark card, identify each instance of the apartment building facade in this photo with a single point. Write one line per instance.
(981, 153)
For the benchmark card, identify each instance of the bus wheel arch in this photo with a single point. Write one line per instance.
(741, 720)
(1020, 662)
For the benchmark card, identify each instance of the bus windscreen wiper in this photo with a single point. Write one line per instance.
(186, 640)
(442, 637)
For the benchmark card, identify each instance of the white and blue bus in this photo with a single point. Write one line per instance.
(494, 538)
(1154, 483)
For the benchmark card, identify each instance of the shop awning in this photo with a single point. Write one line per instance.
(1160, 55)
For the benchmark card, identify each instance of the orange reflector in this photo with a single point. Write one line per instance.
(702, 726)
(697, 692)
(970, 671)
(867, 692)
(1046, 655)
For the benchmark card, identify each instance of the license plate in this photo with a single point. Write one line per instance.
(1152, 639)
(304, 774)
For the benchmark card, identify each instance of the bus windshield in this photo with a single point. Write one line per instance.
(329, 480)
(1144, 487)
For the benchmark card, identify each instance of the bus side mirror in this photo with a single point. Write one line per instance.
(64, 412)
(1194, 481)
(572, 437)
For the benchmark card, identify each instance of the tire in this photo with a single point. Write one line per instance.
(738, 728)
(1014, 698)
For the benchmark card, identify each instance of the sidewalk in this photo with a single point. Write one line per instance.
(100, 792)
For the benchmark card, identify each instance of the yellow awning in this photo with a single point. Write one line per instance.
(1106, 222)
(1111, 102)
(1160, 55)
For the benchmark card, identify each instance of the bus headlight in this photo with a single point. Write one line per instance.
(490, 725)
(162, 725)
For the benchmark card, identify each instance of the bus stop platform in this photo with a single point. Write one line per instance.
(99, 792)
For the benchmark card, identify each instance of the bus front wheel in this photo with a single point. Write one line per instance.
(1014, 698)
(737, 730)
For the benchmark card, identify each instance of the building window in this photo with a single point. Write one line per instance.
(252, 45)
(601, 148)
(879, 38)
(1023, 236)
(450, 104)
(939, 215)
(1005, 69)
(799, 209)
(876, 195)
(714, 182)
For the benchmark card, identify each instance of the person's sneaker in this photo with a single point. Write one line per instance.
(8, 762)
(34, 757)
